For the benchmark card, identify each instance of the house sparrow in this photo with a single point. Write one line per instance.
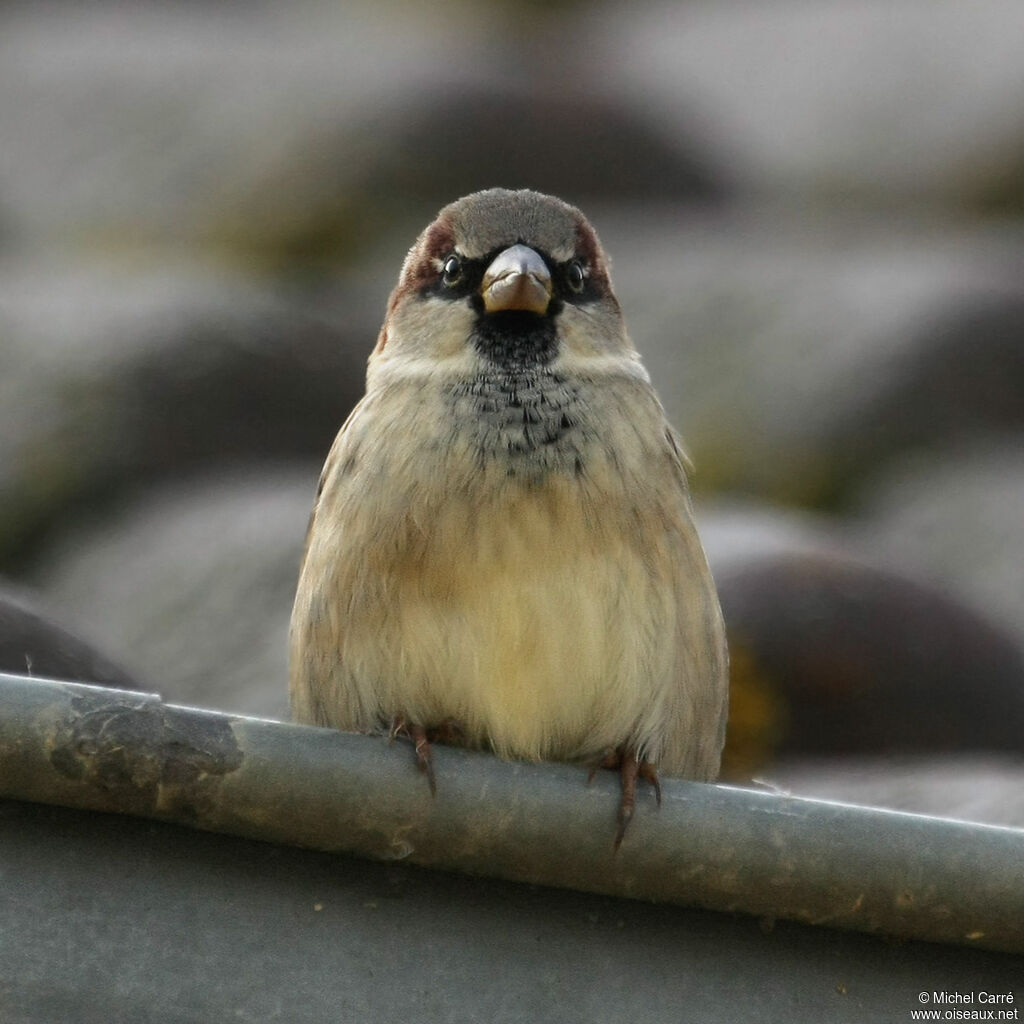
(502, 549)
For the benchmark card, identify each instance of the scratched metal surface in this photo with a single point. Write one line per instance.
(110, 919)
(499, 900)
(712, 847)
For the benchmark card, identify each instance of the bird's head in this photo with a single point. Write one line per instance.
(504, 281)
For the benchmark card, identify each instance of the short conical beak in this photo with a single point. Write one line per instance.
(517, 279)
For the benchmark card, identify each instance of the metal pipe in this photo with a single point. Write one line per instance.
(709, 846)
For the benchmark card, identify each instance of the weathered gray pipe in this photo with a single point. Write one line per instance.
(708, 846)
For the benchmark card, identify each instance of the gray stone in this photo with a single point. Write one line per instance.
(860, 103)
(295, 141)
(210, 125)
(796, 355)
(33, 643)
(111, 378)
(835, 650)
(193, 585)
(957, 517)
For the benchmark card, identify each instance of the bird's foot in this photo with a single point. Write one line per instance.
(624, 760)
(448, 731)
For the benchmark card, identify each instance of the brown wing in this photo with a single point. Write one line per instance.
(306, 686)
(328, 469)
(697, 733)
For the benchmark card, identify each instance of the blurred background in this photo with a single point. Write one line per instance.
(815, 214)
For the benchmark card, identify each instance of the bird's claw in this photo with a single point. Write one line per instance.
(447, 732)
(625, 760)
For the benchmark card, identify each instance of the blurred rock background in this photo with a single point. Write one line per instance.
(816, 219)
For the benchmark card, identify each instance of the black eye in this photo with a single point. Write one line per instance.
(451, 272)
(575, 277)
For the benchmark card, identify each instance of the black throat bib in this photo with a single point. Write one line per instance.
(515, 341)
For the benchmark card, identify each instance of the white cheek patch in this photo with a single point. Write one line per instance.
(430, 320)
(427, 337)
(593, 331)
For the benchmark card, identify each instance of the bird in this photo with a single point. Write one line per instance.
(502, 551)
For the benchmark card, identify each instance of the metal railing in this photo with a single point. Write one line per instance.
(708, 846)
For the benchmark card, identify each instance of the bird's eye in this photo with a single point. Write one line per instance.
(451, 272)
(575, 277)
